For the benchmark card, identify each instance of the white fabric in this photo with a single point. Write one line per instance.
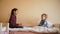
(36, 29)
(3, 28)
(43, 29)
(49, 24)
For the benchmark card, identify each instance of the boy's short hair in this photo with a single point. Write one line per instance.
(44, 14)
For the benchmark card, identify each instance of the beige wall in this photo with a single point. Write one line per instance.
(30, 10)
(0, 8)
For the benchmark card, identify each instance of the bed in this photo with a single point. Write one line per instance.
(27, 30)
(33, 30)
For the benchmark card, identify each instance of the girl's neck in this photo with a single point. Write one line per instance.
(14, 14)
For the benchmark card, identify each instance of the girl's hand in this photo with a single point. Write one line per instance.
(17, 24)
(20, 24)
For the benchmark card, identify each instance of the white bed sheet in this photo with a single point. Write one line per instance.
(36, 29)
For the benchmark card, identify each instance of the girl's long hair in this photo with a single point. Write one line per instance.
(12, 13)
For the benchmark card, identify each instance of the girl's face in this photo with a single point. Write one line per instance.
(15, 12)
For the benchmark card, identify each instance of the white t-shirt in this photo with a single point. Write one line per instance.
(49, 24)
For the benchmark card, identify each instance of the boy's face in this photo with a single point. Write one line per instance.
(44, 17)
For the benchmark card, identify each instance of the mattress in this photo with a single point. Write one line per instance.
(35, 29)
